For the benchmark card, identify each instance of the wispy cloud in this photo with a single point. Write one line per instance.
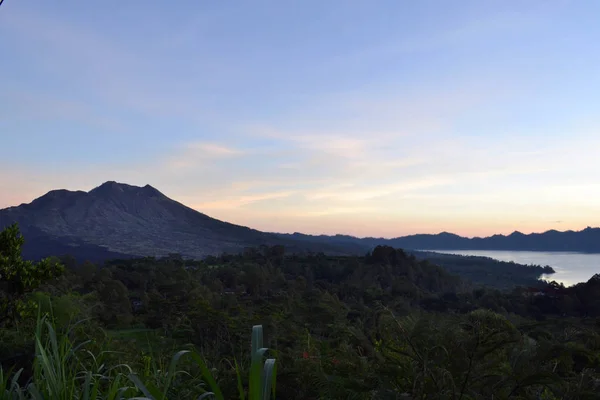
(338, 210)
(368, 192)
(213, 150)
(197, 154)
(344, 144)
(240, 200)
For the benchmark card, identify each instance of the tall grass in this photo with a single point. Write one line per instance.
(63, 370)
(60, 373)
(261, 381)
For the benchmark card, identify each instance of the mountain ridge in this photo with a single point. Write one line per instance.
(122, 219)
(586, 240)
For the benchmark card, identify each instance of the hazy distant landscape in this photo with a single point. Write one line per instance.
(120, 220)
(117, 220)
(584, 241)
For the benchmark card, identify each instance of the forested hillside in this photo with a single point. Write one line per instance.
(386, 325)
(485, 271)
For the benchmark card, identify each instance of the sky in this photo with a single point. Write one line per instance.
(370, 118)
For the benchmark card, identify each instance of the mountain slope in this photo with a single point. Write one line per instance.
(122, 219)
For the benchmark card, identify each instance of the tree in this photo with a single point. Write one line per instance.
(19, 277)
(116, 307)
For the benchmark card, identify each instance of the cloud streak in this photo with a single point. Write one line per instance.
(241, 200)
(199, 154)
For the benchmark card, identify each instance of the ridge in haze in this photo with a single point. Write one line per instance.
(584, 241)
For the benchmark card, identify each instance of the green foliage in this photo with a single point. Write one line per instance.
(62, 370)
(19, 277)
(262, 379)
(383, 326)
(485, 271)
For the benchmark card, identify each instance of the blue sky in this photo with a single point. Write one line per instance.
(364, 117)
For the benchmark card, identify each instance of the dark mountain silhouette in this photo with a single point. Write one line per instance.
(117, 220)
(39, 245)
(586, 240)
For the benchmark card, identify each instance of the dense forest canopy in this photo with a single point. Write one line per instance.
(386, 325)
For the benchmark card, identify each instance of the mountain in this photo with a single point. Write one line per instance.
(586, 240)
(116, 220)
(119, 220)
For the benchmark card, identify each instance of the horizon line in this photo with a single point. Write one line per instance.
(310, 234)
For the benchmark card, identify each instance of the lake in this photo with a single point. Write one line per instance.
(571, 268)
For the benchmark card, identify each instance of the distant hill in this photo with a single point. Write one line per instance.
(586, 240)
(116, 220)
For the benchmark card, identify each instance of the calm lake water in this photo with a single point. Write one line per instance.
(571, 268)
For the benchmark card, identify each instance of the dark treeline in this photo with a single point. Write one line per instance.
(387, 325)
(485, 271)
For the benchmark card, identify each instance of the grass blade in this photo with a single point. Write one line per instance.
(14, 384)
(171, 373)
(208, 376)
(257, 338)
(138, 383)
(268, 378)
(256, 370)
(240, 385)
(34, 392)
(86, 385)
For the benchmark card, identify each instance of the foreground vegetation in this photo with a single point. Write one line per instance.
(63, 370)
(383, 326)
